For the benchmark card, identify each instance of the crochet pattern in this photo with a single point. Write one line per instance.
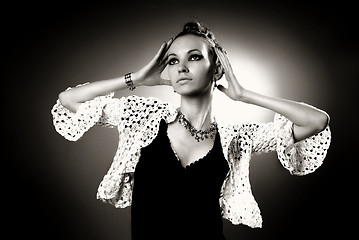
(137, 120)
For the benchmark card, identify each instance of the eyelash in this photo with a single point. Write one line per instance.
(197, 56)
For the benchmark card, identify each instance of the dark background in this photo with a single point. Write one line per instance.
(50, 184)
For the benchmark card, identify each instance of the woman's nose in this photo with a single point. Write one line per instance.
(182, 68)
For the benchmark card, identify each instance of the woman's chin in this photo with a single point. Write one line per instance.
(191, 92)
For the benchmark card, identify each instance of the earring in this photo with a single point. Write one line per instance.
(215, 84)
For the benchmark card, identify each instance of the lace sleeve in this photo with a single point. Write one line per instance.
(298, 158)
(305, 156)
(72, 125)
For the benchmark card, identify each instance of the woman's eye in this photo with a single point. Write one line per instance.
(172, 61)
(195, 57)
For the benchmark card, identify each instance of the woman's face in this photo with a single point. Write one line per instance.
(190, 65)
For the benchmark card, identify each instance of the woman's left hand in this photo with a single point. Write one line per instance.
(234, 90)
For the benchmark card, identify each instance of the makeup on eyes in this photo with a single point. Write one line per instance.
(173, 59)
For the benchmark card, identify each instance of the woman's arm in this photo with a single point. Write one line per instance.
(307, 120)
(149, 75)
(72, 98)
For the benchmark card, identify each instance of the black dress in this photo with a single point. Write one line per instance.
(175, 202)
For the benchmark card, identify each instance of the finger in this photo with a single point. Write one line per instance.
(159, 53)
(165, 51)
(222, 89)
(166, 47)
(161, 57)
(221, 57)
(169, 43)
(219, 53)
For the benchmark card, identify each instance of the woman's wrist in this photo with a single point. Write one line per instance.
(129, 82)
(136, 79)
(239, 93)
(132, 80)
(245, 96)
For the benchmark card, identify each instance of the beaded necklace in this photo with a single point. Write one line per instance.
(199, 135)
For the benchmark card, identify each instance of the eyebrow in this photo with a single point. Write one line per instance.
(192, 50)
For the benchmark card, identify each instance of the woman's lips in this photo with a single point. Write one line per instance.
(184, 79)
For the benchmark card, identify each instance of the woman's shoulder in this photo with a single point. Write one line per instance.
(146, 102)
(149, 107)
(241, 129)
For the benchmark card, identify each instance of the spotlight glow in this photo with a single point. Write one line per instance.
(252, 75)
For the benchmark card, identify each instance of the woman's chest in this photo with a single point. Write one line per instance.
(186, 148)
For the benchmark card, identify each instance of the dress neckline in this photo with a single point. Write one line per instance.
(191, 164)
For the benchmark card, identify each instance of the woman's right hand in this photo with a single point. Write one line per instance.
(150, 74)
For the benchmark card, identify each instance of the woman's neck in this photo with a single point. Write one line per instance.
(198, 111)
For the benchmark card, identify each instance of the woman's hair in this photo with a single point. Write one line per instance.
(198, 29)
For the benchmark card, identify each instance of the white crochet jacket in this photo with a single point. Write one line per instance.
(137, 120)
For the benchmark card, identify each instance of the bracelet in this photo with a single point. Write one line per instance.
(129, 82)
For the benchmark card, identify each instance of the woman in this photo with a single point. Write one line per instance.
(179, 170)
